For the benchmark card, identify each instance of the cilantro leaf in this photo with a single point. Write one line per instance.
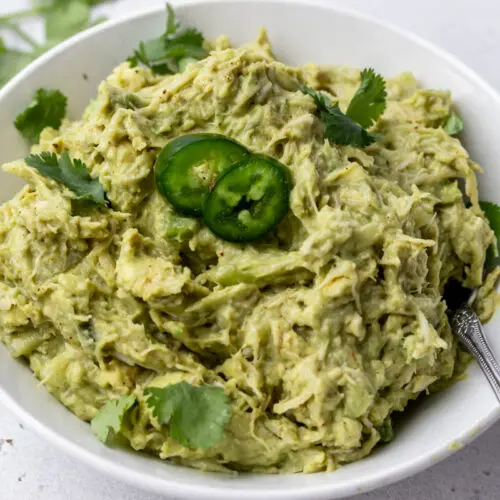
(72, 174)
(133, 60)
(368, 102)
(46, 6)
(454, 124)
(492, 213)
(196, 415)
(339, 128)
(110, 418)
(11, 62)
(386, 431)
(65, 20)
(162, 54)
(186, 43)
(47, 109)
(365, 108)
(172, 22)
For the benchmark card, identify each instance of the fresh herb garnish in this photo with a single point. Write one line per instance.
(71, 173)
(110, 419)
(11, 62)
(454, 124)
(492, 212)
(365, 108)
(62, 18)
(66, 19)
(47, 109)
(386, 431)
(164, 55)
(368, 102)
(196, 416)
(339, 128)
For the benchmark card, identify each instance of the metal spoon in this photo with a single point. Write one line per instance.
(465, 323)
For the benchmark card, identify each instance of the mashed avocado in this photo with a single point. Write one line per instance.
(317, 333)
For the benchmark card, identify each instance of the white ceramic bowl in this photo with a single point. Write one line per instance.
(300, 32)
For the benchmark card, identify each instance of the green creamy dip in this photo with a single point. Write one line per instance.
(316, 333)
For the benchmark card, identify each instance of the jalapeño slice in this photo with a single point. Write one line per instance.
(187, 168)
(248, 200)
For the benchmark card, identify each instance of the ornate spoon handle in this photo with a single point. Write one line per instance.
(466, 325)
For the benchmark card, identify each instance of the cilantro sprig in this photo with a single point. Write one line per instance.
(196, 416)
(73, 174)
(492, 213)
(47, 109)
(339, 128)
(109, 420)
(167, 53)
(62, 19)
(369, 101)
(365, 108)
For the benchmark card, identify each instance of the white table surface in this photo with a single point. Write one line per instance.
(31, 469)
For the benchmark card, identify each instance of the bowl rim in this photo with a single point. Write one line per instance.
(179, 489)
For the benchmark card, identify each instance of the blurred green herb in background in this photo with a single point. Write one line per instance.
(61, 18)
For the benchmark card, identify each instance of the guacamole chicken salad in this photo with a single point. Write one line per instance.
(239, 265)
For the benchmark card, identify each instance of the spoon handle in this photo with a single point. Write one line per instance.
(466, 325)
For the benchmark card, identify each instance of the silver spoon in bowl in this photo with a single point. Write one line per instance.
(466, 325)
